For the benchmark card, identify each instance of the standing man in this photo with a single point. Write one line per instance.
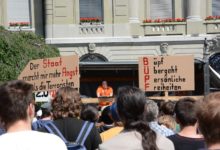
(104, 90)
(188, 138)
(16, 113)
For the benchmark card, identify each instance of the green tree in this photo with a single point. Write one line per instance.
(17, 49)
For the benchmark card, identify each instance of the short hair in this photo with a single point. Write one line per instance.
(168, 108)
(185, 111)
(208, 113)
(151, 110)
(89, 113)
(67, 103)
(105, 116)
(15, 97)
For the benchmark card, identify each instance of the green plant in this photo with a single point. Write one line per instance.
(17, 49)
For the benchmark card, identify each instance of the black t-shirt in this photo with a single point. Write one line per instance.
(186, 143)
(70, 128)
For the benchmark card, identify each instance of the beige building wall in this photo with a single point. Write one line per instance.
(124, 36)
(3, 12)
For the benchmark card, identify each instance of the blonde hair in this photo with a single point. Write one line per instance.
(167, 121)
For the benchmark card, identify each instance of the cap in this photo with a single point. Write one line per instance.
(47, 106)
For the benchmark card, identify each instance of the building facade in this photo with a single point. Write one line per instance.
(110, 35)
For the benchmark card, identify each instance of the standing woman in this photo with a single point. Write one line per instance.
(137, 134)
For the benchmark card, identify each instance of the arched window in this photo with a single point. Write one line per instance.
(216, 7)
(161, 9)
(91, 9)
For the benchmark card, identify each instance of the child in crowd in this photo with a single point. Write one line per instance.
(167, 121)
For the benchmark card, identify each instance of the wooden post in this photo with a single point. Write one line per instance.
(166, 95)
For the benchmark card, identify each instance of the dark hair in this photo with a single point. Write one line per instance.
(15, 97)
(185, 111)
(89, 113)
(114, 113)
(46, 110)
(130, 104)
(67, 103)
(167, 108)
(208, 114)
(105, 116)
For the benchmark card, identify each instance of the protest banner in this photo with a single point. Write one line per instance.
(49, 74)
(166, 73)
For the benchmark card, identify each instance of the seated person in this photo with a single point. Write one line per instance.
(118, 126)
(104, 90)
(167, 121)
(187, 138)
(151, 114)
(105, 119)
(89, 113)
(45, 117)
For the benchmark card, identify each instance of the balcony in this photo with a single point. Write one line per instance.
(165, 28)
(91, 29)
(212, 26)
(20, 26)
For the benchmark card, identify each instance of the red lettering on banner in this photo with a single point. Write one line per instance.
(69, 73)
(145, 60)
(146, 78)
(48, 63)
(146, 86)
(146, 73)
(146, 70)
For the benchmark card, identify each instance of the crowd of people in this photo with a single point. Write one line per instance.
(131, 122)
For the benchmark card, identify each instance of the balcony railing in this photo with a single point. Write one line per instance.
(91, 28)
(165, 28)
(20, 26)
(212, 26)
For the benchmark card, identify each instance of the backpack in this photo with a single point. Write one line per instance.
(79, 143)
(39, 124)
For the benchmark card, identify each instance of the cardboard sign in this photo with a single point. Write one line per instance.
(52, 73)
(44, 96)
(166, 73)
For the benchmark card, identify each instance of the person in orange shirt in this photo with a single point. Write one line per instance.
(104, 90)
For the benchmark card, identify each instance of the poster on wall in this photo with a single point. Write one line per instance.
(49, 74)
(166, 73)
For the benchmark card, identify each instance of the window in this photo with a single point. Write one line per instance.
(161, 9)
(91, 9)
(19, 12)
(216, 7)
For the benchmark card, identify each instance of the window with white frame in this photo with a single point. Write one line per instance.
(216, 7)
(19, 13)
(91, 10)
(161, 9)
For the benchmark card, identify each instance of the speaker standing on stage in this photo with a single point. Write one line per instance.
(104, 90)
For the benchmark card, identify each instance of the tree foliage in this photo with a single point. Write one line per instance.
(17, 49)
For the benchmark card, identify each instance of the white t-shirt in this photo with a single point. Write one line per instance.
(31, 140)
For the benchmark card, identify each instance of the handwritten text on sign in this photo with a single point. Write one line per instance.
(52, 73)
(166, 73)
